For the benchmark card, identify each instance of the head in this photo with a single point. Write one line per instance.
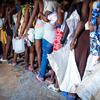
(66, 4)
(60, 9)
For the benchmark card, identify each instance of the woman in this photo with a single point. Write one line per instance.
(57, 60)
(38, 7)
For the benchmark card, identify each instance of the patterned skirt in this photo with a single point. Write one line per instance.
(57, 41)
(95, 42)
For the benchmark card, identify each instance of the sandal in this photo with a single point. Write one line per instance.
(40, 79)
(52, 87)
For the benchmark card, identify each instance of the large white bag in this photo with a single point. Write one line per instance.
(18, 45)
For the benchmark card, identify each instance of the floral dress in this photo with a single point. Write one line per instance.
(95, 35)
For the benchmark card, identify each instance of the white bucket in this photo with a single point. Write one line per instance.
(18, 45)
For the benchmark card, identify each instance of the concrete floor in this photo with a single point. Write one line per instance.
(19, 84)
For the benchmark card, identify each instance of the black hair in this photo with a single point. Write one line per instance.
(79, 7)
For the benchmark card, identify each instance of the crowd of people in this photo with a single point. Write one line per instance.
(62, 34)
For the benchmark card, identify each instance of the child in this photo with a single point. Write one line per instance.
(29, 39)
(59, 58)
(47, 42)
(38, 7)
(2, 33)
(24, 15)
(57, 44)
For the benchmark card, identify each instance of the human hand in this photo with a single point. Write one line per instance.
(20, 36)
(73, 43)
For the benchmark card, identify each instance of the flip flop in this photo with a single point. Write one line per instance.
(39, 78)
(52, 87)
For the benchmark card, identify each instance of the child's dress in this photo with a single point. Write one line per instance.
(3, 34)
(95, 35)
(57, 43)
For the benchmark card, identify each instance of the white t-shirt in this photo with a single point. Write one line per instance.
(49, 32)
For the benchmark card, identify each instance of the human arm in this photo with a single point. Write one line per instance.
(34, 13)
(26, 19)
(81, 23)
(65, 34)
(18, 21)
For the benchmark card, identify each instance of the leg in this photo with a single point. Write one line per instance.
(4, 47)
(52, 76)
(51, 80)
(31, 57)
(7, 46)
(56, 82)
(38, 51)
(15, 59)
(26, 57)
(46, 49)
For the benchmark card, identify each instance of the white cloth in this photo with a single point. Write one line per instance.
(1, 22)
(52, 18)
(87, 26)
(67, 73)
(72, 24)
(60, 59)
(49, 5)
(72, 77)
(49, 33)
(31, 34)
(91, 61)
(95, 4)
(89, 88)
(63, 24)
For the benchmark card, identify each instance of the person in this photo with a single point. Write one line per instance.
(9, 29)
(89, 87)
(64, 69)
(61, 16)
(16, 13)
(81, 24)
(29, 39)
(95, 30)
(47, 41)
(3, 34)
(38, 7)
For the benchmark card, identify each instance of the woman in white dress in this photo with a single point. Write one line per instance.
(63, 61)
